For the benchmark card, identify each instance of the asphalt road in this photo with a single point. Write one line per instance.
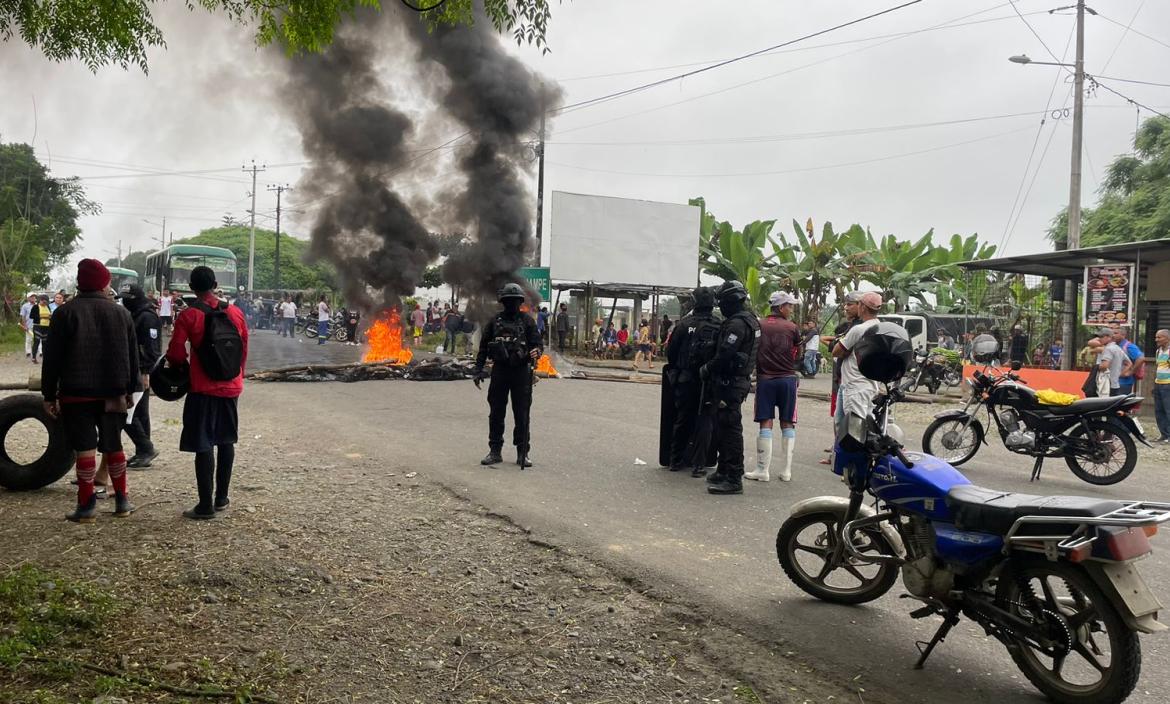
(588, 491)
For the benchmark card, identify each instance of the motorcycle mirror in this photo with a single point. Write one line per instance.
(1017, 365)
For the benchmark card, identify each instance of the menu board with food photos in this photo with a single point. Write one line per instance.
(1109, 294)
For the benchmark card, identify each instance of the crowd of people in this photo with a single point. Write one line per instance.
(100, 361)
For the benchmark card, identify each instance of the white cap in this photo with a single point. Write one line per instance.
(780, 298)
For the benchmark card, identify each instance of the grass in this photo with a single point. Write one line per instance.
(11, 339)
(39, 611)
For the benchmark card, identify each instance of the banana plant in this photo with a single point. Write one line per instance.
(902, 270)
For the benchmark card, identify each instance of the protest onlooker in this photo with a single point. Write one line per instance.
(40, 315)
(776, 385)
(323, 315)
(811, 344)
(612, 347)
(26, 323)
(1088, 357)
(623, 340)
(850, 307)
(562, 327)
(288, 312)
(1161, 390)
(418, 321)
(1055, 352)
(856, 393)
(1136, 371)
(88, 380)
(1018, 349)
(645, 346)
(148, 334)
(351, 318)
(166, 309)
(218, 335)
(664, 329)
(453, 325)
(542, 323)
(1113, 363)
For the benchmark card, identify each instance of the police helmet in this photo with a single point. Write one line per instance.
(170, 383)
(884, 352)
(703, 297)
(984, 348)
(732, 291)
(510, 291)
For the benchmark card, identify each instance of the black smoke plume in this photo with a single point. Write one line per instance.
(357, 141)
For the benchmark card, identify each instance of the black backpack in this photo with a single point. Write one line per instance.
(509, 344)
(222, 351)
(701, 344)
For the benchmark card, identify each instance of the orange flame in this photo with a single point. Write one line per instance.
(544, 366)
(385, 339)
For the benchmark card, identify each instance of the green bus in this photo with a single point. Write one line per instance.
(170, 268)
(120, 277)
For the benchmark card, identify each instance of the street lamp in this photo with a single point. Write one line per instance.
(1025, 59)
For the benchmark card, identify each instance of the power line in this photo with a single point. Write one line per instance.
(799, 170)
(1033, 30)
(768, 77)
(1133, 80)
(726, 62)
(1134, 31)
(1125, 97)
(1123, 35)
(814, 47)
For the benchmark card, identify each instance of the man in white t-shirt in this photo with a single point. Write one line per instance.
(26, 322)
(856, 394)
(288, 317)
(166, 310)
(323, 316)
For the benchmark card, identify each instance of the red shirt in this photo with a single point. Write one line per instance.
(623, 336)
(189, 328)
(779, 348)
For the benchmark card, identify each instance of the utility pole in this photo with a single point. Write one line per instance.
(162, 240)
(252, 237)
(119, 253)
(278, 190)
(1074, 189)
(540, 188)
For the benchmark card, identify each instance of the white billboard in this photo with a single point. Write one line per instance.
(618, 240)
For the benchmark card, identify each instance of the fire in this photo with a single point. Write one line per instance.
(544, 366)
(385, 340)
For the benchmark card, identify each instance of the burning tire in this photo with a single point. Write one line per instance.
(53, 464)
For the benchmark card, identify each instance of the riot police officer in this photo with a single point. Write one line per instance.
(513, 344)
(691, 345)
(730, 375)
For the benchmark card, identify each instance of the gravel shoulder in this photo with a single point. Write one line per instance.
(343, 577)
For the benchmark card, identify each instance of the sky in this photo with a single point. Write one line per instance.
(910, 121)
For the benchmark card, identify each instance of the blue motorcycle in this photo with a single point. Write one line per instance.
(1053, 578)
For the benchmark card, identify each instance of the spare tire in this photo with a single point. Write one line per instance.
(57, 458)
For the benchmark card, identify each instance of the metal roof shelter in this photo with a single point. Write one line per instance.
(637, 292)
(1070, 264)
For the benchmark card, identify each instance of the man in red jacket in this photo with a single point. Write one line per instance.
(210, 415)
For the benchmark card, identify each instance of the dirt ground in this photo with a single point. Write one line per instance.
(337, 577)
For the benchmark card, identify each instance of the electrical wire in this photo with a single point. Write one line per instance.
(1033, 30)
(1133, 80)
(1125, 97)
(1123, 35)
(726, 62)
(1134, 31)
(806, 169)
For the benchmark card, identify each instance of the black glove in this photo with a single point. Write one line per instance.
(480, 375)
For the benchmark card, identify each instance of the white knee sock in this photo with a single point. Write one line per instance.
(763, 455)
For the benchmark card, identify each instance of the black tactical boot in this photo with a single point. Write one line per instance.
(522, 458)
(84, 514)
(715, 477)
(725, 486)
(699, 472)
(492, 457)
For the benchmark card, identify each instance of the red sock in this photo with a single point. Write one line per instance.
(116, 463)
(86, 469)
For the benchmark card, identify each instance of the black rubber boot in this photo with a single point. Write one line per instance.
(677, 467)
(492, 457)
(699, 472)
(122, 506)
(715, 477)
(84, 514)
(522, 459)
(725, 486)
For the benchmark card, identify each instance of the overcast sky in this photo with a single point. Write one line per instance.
(797, 133)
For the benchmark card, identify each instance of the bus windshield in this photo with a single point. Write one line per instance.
(182, 264)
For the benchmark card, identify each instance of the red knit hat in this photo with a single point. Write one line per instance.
(92, 275)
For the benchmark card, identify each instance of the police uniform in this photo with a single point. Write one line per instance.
(691, 345)
(730, 374)
(508, 341)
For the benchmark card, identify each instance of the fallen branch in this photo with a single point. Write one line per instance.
(149, 683)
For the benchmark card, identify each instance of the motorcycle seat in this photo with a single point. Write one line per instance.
(993, 511)
(1086, 405)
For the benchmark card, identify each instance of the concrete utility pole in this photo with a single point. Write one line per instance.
(540, 191)
(278, 190)
(252, 238)
(1074, 190)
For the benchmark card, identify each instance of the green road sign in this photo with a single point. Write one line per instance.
(538, 279)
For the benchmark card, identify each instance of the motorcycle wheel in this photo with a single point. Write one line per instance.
(310, 331)
(1095, 658)
(340, 335)
(954, 444)
(953, 378)
(932, 386)
(805, 546)
(1110, 469)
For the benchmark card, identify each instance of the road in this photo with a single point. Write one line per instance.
(588, 491)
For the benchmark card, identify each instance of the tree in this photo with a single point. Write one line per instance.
(295, 273)
(38, 221)
(1134, 202)
(119, 33)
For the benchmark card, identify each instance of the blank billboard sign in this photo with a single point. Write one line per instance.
(618, 240)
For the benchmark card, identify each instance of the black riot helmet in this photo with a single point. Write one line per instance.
(884, 352)
(703, 298)
(170, 383)
(510, 291)
(731, 297)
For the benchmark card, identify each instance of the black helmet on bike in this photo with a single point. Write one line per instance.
(984, 348)
(884, 352)
(510, 291)
(170, 383)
